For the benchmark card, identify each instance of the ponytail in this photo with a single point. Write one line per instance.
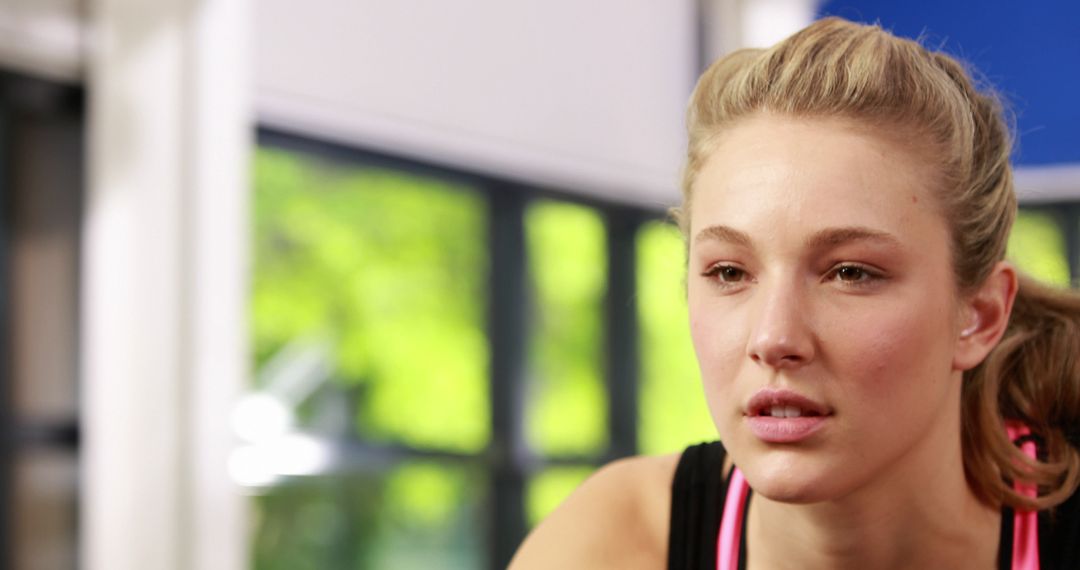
(1032, 376)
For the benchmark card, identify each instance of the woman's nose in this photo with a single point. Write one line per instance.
(781, 337)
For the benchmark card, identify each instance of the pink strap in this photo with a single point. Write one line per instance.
(727, 545)
(1026, 523)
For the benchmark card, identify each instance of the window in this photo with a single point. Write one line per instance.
(442, 356)
(369, 338)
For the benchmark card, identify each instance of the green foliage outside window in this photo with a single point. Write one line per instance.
(1037, 246)
(392, 269)
(389, 270)
(673, 413)
(567, 263)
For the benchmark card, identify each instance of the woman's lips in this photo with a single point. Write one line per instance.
(784, 416)
(785, 430)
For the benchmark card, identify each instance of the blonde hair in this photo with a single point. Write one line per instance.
(836, 68)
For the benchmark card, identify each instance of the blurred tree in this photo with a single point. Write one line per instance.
(392, 267)
(567, 264)
(1037, 246)
(672, 413)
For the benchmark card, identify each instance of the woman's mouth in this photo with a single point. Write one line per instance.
(784, 416)
(787, 412)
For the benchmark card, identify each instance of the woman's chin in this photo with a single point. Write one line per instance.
(787, 493)
(796, 484)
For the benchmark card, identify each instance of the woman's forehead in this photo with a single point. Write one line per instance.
(771, 171)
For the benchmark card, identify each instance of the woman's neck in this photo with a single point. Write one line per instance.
(922, 513)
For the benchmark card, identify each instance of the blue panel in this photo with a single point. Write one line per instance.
(1029, 50)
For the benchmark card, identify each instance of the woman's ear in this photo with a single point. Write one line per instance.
(985, 316)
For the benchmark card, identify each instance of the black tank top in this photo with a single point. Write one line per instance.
(697, 502)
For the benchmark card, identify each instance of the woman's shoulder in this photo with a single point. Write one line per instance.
(617, 518)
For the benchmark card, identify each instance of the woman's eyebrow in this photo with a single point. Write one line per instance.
(826, 238)
(724, 233)
(832, 237)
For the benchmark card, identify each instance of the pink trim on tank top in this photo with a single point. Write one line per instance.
(1026, 524)
(1025, 550)
(727, 544)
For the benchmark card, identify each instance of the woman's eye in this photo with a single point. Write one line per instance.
(729, 273)
(850, 273)
(726, 273)
(853, 274)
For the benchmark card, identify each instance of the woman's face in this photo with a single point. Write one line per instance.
(821, 305)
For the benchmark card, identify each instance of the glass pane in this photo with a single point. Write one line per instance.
(550, 488)
(372, 280)
(1037, 246)
(418, 515)
(567, 263)
(673, 413)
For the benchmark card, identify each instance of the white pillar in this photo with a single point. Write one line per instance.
(164, 274)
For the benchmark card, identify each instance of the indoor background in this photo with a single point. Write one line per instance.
(346, 284)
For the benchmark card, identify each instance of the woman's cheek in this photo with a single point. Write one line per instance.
(717, 345)
(718, 354)
(885, 349)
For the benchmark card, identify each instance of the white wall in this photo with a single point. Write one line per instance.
(585, 96)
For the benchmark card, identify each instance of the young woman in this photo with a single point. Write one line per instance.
(890, 393)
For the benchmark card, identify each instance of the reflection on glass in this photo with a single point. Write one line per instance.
(550, 488)
(1037, 246)
(372, 282)
(672, 406)
(419, 515)
(567, 265)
